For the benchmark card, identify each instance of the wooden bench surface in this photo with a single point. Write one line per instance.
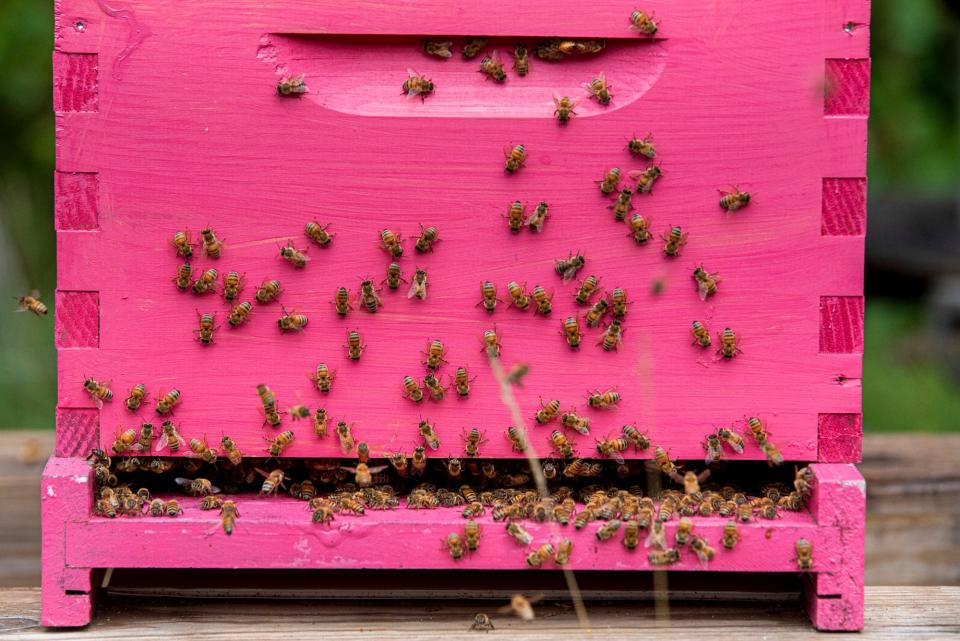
(913, 508)
(913, 613)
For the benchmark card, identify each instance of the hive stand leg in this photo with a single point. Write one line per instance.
(834, 600)
(66, 495)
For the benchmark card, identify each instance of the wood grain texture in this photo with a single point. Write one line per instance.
(892, 614)
(76, 200)
(844, 206)
(75, 86)
(174, 153)
(77, 319)
(847, 88)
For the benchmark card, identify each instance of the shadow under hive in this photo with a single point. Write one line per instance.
(171, 121)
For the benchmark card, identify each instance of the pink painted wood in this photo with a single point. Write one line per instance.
(167, 118)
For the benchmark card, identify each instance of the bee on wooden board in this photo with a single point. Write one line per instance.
(539, 216)
(437, 48)
(417, 85)
(603, 400)
(411, 389)
(541, 555)
(206, 283)
(645, 178)
(354, 345)
(212, 246)
(596, 313)
(294, 256)
(318, 233)
(231, 451)
(610, 181)
(472, 47)
(391, 243)
(210, 502)
(491, 342)
(772, 452)
(623, 204)
(200, 449)
(206, 328)
(454, 545)
(568, 267)
(571, 332)
(618, 303)
(471, 535)
(368, 296)
(758, 430)
(636, 437)
(419, 460)
(706, 282)
(269, 290)
(612, 336)
(516, 215)
(98, 391)
(599, 90)
(434, 387)
(804, 550)
(701, 336)
(418, 286)
(291, 86)
(291, 321)
(729, 344)
(644, 23)
(182, 244)
(492, 68)
(197, 487)
(521, 60)
(550, 50)
(472, 441)
(518, 534)
(702, 549)
(435, 354)
(228, 516)
(182, 279)
(606, 531)
(714, 449)
(640, 229)
(673, 239)
(586, 291)
(664, 464)
(548, 411)
(517, 440)
(734, 200)
(125, 440)
(429, 434)
(136, 397)
(731, 438)
(488, 296)
(170, 438)
(425, 241)
(345, 436)
(516, 156)
(279, 443)
(564, 108)
(172, 508)
(323, 377)
(561, 445)
(642, 146)
(461, 382)
(613, 447)
(394, 277)
(320, 421)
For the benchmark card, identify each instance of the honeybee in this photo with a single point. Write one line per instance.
(541, 555)
(663, 462)
(701, 336)
(454, 545)
(586, 290)
(318, 233)
(521, 606)
(706, 282)
(515, 216)
(461, 382)
(596, 313)
(644, 23)
(437, 48)
(757, 429)
(171, 508)
(281, 442)
(518, 534)
(803, 477)
(618, 303)
(137, 393)
(291, 321)
(167, 401)
(548, 412)
(516, 157)
(673, 240)
(205, 331)
(516, 374)
(232, 284)
(612, 336)
(125, 440)
(550, 50)
(323, 377)
(491, 342)
(182, 280)
(419, 460)
(517, 440)
(734, 199)
(610, 181)
(561, 444)
(354, 345)
(804, 551)
(606, 531)
(640, 229)
(684, 530)
(543, 300)
(231, 451)
(731, 438)
(418, 287)
(564, 549)
(623, 205)
(646, 178)
(206, 283)
(368, 296)
(391, 243)
(435, 354)
(472, 47)
(636, 437)
(345, 436)
(197, 487)
(429, 435)
(434, 387)
(322, 511)
(488, 296)
(772, 452)
(428, 236)
(603, 400)
(702, 549)
(417, 85)
(181, 242)
(294, 256)
(298, 412)
(291, 86)
(744, 512)
(363, 473)
(341, 301)
(599, 90)
(320, 420)
(612, 447)
(269, 290)
(272, 481)
(521, 60)
(713, 448)
(564, 109)
(212, 246)
(539, 216)
(729, 344)
(200, 449)
(570, 330)
(568, 267)
(493, 68)
(210, 502)
(394, 276)
(642, 146)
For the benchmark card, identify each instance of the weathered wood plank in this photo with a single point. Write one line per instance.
(900, 613)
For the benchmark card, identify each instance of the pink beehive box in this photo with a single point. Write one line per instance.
(168, 118)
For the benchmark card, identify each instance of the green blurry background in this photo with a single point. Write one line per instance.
(912, 360)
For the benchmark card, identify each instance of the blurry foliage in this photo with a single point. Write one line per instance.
(914, 147)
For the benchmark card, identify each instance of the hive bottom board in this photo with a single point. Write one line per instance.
(276, 533)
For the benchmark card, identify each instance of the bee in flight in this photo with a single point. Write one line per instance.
(516, 156)
(734, 199)
(564, 108)
(417, 85)
(31, 303)
(291, 86)
(437, 48)
(599, 90)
